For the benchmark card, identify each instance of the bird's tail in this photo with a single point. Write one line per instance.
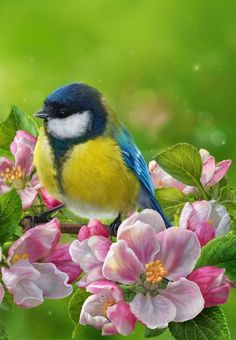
(148, 200)
(156, 206)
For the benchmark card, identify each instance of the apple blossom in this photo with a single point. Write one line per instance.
(19, 173)
(156, 262)
(33, 273)
(206, 219)
(106, 309)
(212, 173)
(90, 254)
(213, 284)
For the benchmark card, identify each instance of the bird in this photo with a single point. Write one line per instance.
(87, 159)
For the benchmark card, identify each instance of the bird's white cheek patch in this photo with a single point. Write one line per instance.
(73, 126)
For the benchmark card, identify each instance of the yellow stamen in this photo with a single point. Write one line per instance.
(107, 304)
(155, 271)
(18, 257)
(10, 175)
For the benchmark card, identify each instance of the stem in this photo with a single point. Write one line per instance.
(202, 191)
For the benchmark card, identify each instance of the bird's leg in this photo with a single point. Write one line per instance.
(114, 226)
(44, 217)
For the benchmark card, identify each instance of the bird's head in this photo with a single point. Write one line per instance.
(74, 111)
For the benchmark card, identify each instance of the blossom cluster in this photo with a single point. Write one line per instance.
(146, 274)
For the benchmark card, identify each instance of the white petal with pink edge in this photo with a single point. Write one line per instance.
(154, 312)
(121, 264)
(122, 318)
(187, 298)
(179, 251)
(141, 239)
(37, 242)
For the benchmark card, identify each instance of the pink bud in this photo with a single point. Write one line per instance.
(49, 201)
(213, 284)
(94, 228)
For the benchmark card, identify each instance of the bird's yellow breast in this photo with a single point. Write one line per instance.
(94, 177)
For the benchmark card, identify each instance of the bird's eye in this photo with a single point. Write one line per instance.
(62, 113)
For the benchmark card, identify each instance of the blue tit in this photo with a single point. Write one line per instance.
(87, 159)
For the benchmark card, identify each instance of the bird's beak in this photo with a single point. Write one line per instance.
(41, 114)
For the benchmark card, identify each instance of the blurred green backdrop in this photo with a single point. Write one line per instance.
(167, 67)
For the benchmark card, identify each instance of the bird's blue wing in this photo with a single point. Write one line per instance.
(134, 159)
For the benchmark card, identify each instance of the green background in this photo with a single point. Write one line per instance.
(168, 67)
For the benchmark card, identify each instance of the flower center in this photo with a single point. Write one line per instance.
(155, 271)
(18, 257)
(12, 175)
(107, 304)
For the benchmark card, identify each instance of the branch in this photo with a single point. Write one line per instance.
(28, 222)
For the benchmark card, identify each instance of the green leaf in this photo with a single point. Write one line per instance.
(17, 120)
(150, 333)
(7, 302)
(78, 331)
(86, 332)
(76, 303)
(183, 162)
(220, 252)
(171, 200)
(210, 324)
(10, 214)
(227, 194)
(3, 334)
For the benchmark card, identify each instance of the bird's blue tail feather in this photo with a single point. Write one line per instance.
(156, 206)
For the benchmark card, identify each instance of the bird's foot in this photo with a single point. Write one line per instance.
(42, 218)
(114, 226)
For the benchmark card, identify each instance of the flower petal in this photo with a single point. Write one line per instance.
(208, 169)
(27, 196)
(187, 298)
(109, 329)
(141, 239)
(60, 256)
(52, 281)
(121, 264)
(2, 292)
(92, 312)
(179, 252)
(49, 201)
(100, 246)
(37, 242)
(220, 171)
(205, 232)
(82, 254)
(154, 312)
(110, 289)
(147, 216)
(5, 163)
(121, 317)
(91, 276)
(20, 279)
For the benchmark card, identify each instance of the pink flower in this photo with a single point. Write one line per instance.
(19, 173)
(161, 179)
(93, 228)
(212, 173)
(206, 219)
(156, 260)
(31, 276)
(106, 309)
(213, 284)
(90, 254)
(49, 201)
